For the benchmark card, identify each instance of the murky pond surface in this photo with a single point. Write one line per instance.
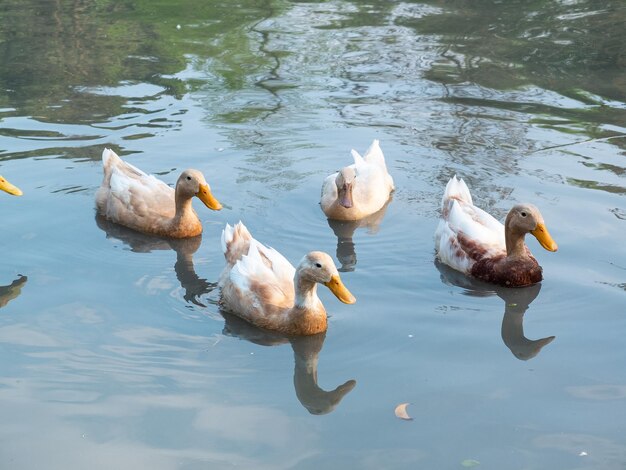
(114, 351)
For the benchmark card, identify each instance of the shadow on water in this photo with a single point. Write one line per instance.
(194, 285)
(344, 231)
(12, 291)
(516, 302)
(306, 351)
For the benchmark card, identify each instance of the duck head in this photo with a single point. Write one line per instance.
(192, 183)
(526, 218)
(319, 267)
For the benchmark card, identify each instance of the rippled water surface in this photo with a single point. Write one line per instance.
(114, 351)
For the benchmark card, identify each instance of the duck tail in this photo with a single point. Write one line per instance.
(235, 242)
(456, 189)
(375, 155)
(108, 157)
(358, 159)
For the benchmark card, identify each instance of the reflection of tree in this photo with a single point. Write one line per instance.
(13, 290)
(51, 50)
(516, 302)
(574, 49)
(556, 45)
(306, 351)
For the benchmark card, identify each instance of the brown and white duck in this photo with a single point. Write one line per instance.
(132, 198)
(472, 241)
(262, 287)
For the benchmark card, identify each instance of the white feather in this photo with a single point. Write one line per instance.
(281, 267)
(251, 265)
(460, 216)
(329, 189)
(358, 159)
(374, 155)
(448, 249)
(456, 189)
(227, 237)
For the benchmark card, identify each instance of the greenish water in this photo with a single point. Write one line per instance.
(114, 351)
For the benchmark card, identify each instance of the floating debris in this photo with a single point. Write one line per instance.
(469, 463)
(401, 411)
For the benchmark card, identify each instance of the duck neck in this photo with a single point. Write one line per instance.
(515, 246)
(183, 207)
(185, 222)
(306, 293)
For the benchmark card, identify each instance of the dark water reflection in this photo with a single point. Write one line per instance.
(516, 303)
(306, 350)
(344, 231)
(517, 43)
(185, 248)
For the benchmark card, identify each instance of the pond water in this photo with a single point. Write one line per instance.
(114, 351)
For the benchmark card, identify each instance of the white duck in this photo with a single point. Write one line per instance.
(471, 241)
(360, 189)
(130, 197)
(262, 287)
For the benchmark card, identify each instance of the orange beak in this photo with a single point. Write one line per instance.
(9, 188)
(543, 236)
(205, 195)
(341, 292)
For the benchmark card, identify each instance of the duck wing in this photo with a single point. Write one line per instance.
(466, 233)
(250, 264)
(129, 196)
(372, 184)
(259, 285)
(235, 243)
(374, 156)
(329, 191)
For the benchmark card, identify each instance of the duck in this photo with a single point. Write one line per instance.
(132, 198)
(261, 286)
(360, 189)
(9, 188)
(473, 242)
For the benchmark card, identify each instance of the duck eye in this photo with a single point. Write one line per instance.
(189, 178)
(319, 265)
(523, 214)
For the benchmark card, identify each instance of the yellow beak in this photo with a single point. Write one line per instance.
(204, 194)
(341, 292)
(9, 188)
(541, 233)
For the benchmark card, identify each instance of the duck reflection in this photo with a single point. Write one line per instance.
(516, 302)
(306, 351)
(185, 248)
(13, 290)
(344, 231)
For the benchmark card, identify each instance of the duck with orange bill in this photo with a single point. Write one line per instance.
(360, 189)
(472, 241)
(262, 287)
(132, 198)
